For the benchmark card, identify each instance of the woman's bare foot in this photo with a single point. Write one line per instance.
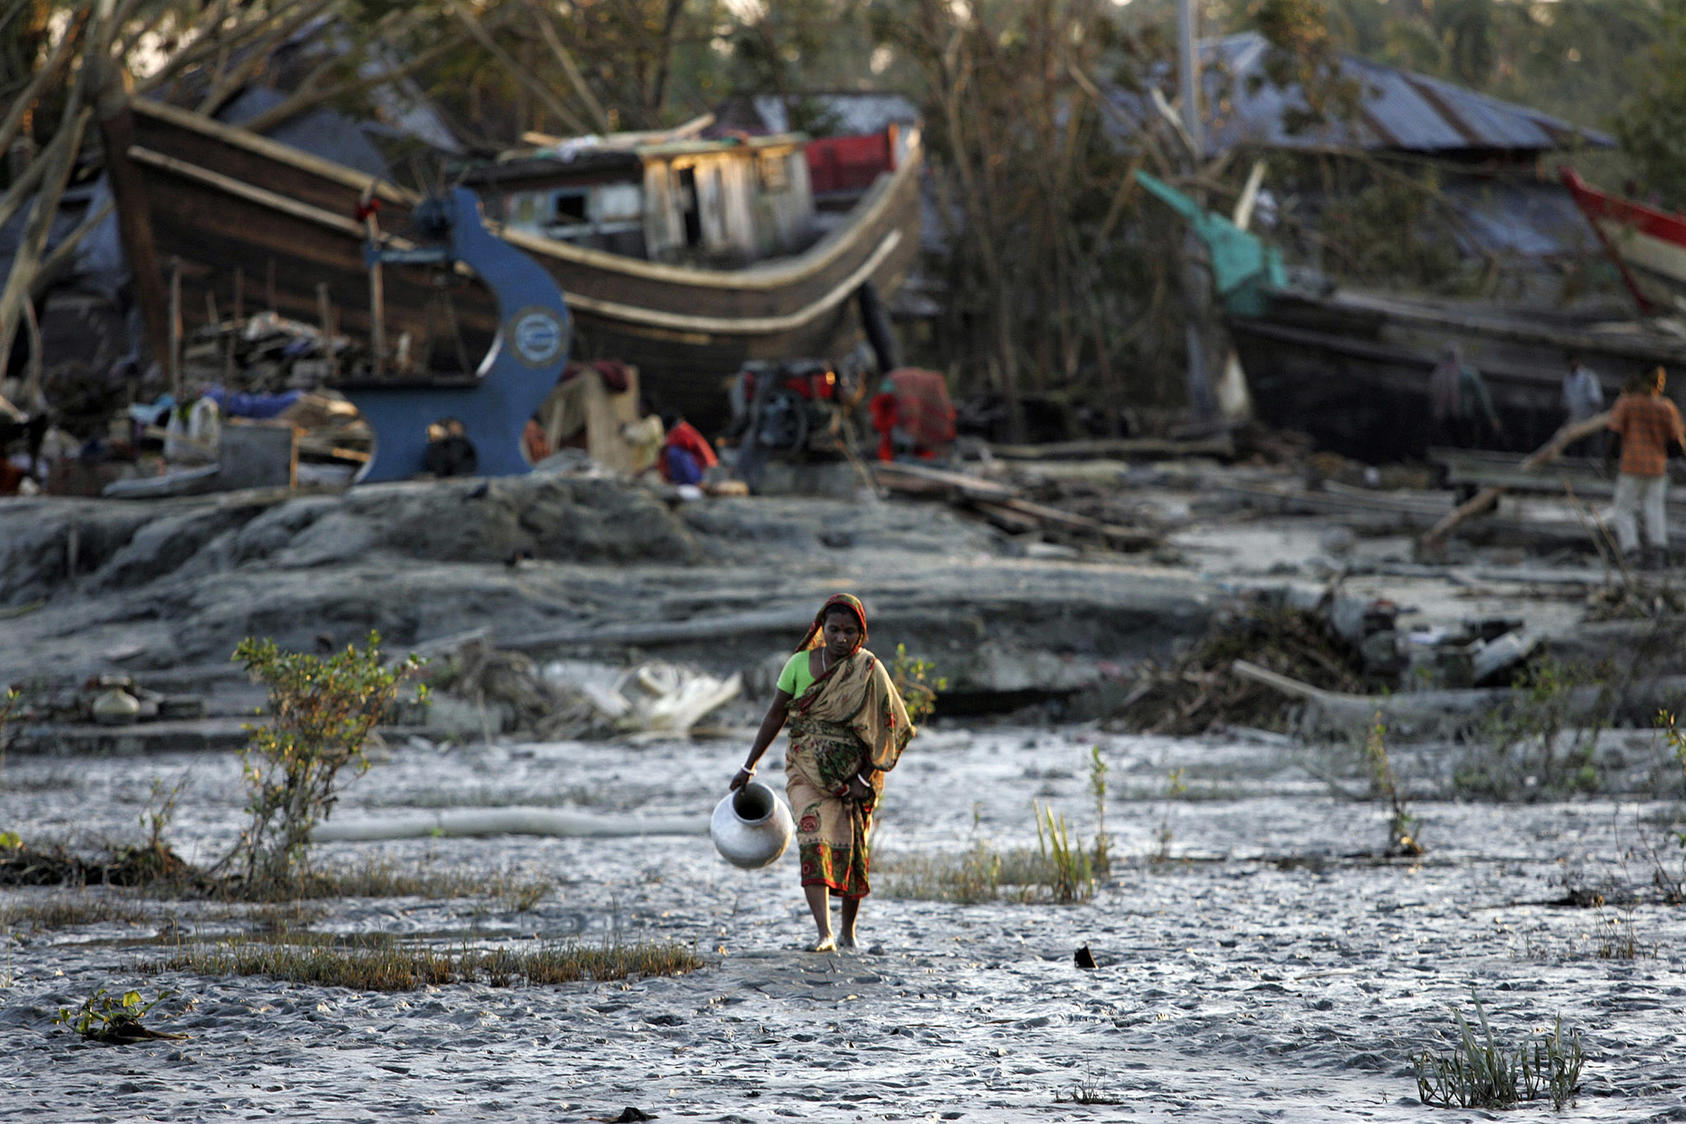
(826, 943)
(848, 941)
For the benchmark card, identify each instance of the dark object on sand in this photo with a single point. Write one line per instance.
(1082, 958)
(630, 1115)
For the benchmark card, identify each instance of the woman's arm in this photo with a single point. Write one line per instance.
(770, 727)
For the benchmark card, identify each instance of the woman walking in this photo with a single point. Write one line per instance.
(848, 727)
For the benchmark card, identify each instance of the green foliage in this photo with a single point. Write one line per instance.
(918, 686)
(1175, 788)
(1480, 1072)
(321, 712)
(1518, 754)
(1074, 879)
(7, 705)
(1401, 829)
(1648, 124)
(113, 1020)
(1097, 785)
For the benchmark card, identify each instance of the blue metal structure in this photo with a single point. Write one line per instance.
(521, 368)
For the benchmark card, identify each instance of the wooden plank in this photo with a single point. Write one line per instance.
(936, 481)
(1488, 498)
(1122, 448)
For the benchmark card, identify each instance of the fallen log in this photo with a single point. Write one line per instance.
(1441, 713)
(1488, 497)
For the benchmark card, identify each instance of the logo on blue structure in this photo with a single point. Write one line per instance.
(539, 336)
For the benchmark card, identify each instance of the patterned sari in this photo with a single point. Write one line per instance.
(850, 718)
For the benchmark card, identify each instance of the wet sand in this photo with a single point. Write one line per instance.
(1268, 969)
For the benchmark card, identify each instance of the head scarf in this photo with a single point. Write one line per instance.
(857, 692)
(848, 601)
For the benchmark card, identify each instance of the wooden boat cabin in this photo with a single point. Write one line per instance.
(719, 203)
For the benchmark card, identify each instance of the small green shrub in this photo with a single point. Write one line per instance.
(1520, 752)
(1384, 785)
(1097, 785)
(1479, 1072)
(321, 712)
(917, 683)
(113, 1020)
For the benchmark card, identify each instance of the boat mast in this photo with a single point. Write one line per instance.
(1189, 75)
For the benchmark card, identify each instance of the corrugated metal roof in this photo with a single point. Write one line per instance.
(1399, 109)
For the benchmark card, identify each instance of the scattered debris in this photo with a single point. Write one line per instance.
(513, 694)
(1200, 690)
(1005, 506)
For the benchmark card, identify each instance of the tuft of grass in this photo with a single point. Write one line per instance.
(1618, 938)
(1480, 1072)
(1176, 788)
(380, 963)
(1087, 1091)
(982, 874)
(68, 913)
(1074, 874)
(1097, 785)
(1384, 784)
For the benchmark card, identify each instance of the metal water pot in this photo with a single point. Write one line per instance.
(751, 827)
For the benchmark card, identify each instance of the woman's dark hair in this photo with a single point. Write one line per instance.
(843, 611)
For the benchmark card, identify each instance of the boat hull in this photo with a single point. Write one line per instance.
(229, 211)
(1353, 370)
(1646, 243)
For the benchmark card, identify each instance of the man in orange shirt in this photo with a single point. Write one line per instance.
(1648, 424)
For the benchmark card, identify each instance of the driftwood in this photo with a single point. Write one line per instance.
(1488, 498)
(1223, 448)
(1437, 713)
(1005, 506)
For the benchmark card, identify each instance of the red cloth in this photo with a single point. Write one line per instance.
(687, 437)
(915, 402)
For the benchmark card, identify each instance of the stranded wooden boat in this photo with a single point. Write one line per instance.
(238, 220)
(1647, 244)
(1352, 368)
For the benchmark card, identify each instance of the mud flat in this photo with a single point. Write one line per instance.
(1257, 960)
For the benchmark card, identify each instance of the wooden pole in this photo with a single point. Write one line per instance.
(1488, 498)
(325, 310)
(377, 289)
(174, 362)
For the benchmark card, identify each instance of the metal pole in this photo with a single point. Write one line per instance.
(1189, 79)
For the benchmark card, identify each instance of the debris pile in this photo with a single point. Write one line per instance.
(266, 353)
(1199, 692)
(513, 695)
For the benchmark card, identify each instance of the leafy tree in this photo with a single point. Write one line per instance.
(1649, 122)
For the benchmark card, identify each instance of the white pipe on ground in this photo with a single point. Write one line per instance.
(505, 821)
